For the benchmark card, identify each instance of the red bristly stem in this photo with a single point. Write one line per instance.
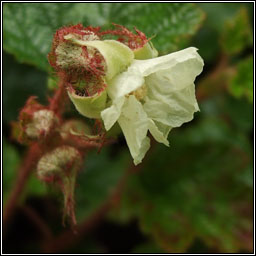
(35, 151)
(30, 161)
(59, 99)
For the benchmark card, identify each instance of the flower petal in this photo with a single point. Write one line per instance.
(159, 131)
(180, 67)
(124, 84)
(134, 124)
(171, 93)
(111, 114)
(171, 108)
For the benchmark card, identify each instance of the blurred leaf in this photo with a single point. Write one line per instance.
(240, 113)
(35, 187)
(247, 176)
(97, 181)
(242, 83)
(205, 41)
(192, 190)
(20, 82)
(237, 34)
(11, 160)
(171, 23)
(217, 14)
(28, 33)
(28, 29)
(52, 83)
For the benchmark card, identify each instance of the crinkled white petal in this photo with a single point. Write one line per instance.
(159, 131)
(182, 66)
(178, 69)
(170, 100)
(171, 92)
(134, 124)
(124, 84)
(111, 114)
(173, 108)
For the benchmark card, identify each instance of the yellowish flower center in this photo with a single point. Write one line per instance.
(140, 93)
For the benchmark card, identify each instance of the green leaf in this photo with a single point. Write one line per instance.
(28, 28)
(170, 24)
(242, 83)
(237, 34)
(35, 187)
(20, 82)
(217, 14)
(11, 160)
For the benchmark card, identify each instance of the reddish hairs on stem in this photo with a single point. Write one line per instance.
(133, 41)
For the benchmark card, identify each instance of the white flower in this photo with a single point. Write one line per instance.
(153, 95)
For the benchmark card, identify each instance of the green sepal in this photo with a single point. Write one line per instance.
(148, 51)
(89, 106)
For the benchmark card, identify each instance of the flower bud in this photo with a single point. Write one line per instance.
(62, 161)
(88, 63)
(35, 121)
(74, 126)
(42, 122)
(117, 56)
(61, 166)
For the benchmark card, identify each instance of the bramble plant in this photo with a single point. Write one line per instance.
(109, 80)
(97, 90)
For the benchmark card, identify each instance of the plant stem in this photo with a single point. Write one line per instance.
(26, 168)
(59, 99)
(57, 104)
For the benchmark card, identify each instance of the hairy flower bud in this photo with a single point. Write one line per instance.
(116, 56)
(42, 122)
(88, 63)
(61, 166)
(35, 121)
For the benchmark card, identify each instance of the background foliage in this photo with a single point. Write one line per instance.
(197, 195)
